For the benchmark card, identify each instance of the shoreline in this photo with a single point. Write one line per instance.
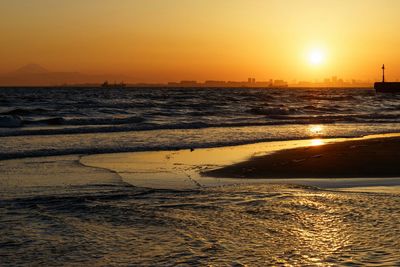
(180, 169)
(184, 169)
(363, 158)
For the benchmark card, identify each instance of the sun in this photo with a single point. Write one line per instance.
(316, 57)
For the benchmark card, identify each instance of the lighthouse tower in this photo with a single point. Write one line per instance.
(383, 73)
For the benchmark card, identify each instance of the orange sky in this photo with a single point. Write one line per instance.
(158, 41)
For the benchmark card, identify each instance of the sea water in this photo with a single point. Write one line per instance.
(58, 211)
(58, 121)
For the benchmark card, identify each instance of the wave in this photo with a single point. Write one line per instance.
(10, 121)
(13, 121)
(322, 109)
(272, 111)
(124, 128)
(25, 111)
(264, 116)
(148, 147)
(80, 110)
(167, 144)
(17, 130)
(104, 121)
(48, 121)
(327, 97)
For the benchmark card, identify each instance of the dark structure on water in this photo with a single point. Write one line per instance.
(386, 87)
(113, 85)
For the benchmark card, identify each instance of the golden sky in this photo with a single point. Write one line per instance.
(163, 40)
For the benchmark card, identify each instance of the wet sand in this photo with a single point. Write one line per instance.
(377, 157)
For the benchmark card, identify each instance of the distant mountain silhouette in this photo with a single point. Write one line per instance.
(36, 75)
(30, 69)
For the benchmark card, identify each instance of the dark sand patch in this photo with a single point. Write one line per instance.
(379, 157)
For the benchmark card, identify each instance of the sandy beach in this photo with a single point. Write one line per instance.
(377, 157)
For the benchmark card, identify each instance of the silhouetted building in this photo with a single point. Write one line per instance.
(211, 83)
(189, 83)
(280, 83)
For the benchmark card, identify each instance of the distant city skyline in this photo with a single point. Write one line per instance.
(34, 68)
(36, 75)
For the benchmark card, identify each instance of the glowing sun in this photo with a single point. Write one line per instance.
(316, 57)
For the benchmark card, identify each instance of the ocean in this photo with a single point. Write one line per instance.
(56, 209)
(99, 120)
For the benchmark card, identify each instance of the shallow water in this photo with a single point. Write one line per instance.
(223, 226)
(74, 210)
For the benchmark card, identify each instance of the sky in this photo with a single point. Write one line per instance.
(170, 40)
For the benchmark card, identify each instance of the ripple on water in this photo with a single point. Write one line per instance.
(231, 225)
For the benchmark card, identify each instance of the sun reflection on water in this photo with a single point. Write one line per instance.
(316, 130)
